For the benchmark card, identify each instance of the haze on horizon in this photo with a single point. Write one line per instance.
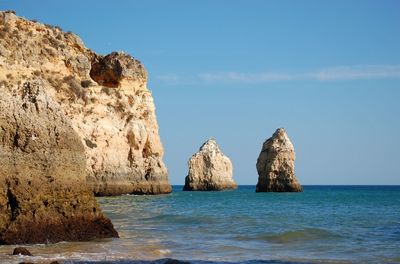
(326, 71)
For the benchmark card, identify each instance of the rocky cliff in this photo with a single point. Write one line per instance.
(275, 165)
(209, 170)
(104, 97)
(43, 195)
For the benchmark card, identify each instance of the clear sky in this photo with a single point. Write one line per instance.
(326, 71)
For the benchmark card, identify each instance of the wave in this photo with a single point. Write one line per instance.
(293, 236)
(181, 219)
(175, 261)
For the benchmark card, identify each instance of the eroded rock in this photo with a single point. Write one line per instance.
(275, 165)
(21, 251)
(209, 170)
(105, 98)
(43, 194)
(110, 70)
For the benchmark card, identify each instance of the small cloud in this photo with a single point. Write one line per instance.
(168, 78)
(357, 72)
(245, 77)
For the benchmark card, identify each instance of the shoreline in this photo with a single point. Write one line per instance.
(180, 261)
(319, 225)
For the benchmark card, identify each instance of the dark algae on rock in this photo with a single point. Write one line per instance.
(21, 251)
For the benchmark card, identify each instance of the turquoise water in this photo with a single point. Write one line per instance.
(324, 224)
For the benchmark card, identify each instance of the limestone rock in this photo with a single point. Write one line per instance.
(209, 170)
(105, 98)
(115, 67)
(275, 165)
(43, 195)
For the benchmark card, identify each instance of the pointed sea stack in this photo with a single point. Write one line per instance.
(209, 170)
(275, 165)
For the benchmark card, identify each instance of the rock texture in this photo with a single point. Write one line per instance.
(43, 195)
(209, 170)
(104, 97)
(275, 165)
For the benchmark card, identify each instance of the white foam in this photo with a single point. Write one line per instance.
(164, 251)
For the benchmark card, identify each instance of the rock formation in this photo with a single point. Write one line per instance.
(275, 165)
(43, 195)
(209, 170)
(21, 251)
(104, 97)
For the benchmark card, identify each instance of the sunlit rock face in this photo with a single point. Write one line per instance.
(275, 165)
(209, 170)
(105, 98)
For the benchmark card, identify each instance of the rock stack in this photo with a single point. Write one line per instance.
(275, 165)
(209, 170)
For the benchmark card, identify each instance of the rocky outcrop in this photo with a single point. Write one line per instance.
(21, 251)
(209, 170)
(43, 195)
(275, 165)
(112, 69)
(104, 97)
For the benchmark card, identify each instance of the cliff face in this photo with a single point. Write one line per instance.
(275, 165)
(43, 195)
(209, 170)
(104, 97)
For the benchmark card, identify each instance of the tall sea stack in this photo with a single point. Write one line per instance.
(105, 98)
(275, 165)
(209, 170)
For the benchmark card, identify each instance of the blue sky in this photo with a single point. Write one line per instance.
(327, 71)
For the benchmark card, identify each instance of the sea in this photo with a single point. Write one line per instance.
(322, 224)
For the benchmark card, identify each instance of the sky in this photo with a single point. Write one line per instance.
(326, 71)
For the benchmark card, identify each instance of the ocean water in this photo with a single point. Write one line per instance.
(323, 224)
